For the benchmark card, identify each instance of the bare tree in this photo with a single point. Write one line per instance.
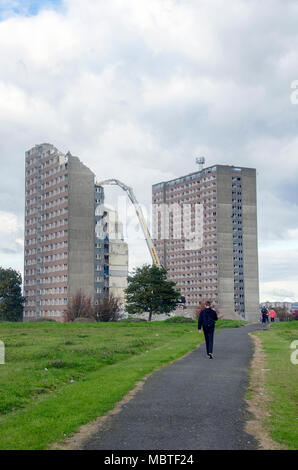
(202, 305)
(80, 306)
(108, 308)
(283, 314)
(295, 314)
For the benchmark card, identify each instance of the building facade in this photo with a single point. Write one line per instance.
(115, 268)
(101, 246)
(111, 252)
(62, 253)
(205, 231)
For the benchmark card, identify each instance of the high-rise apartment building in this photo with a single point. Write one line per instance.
(205, 231)
(62, 253)
(101, 246)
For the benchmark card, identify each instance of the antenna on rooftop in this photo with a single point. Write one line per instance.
(201, 162)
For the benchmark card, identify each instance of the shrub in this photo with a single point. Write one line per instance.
(295, 314)
(132, 320)
(202, 306)
(180, 320)
(107, 309)
(283, 314)
(80, 306)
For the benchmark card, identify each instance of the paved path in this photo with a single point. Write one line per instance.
(193, 404)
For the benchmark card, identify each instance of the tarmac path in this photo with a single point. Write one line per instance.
(195, 403)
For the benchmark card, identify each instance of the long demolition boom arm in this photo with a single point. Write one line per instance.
(140, 215)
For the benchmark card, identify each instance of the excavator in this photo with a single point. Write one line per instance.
(140, 215)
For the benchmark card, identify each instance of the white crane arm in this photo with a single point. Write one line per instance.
(140, 215)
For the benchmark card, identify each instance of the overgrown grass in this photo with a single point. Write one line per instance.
(281, 382)
(58, 377)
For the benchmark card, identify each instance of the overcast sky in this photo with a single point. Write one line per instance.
(138, 88)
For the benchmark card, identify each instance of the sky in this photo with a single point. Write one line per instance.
(138, 89)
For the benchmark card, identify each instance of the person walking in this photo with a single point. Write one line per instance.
(264, 313)
(272, 314)
(207, 319)
(267, 316)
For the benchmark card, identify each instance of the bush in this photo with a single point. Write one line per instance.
(202, 306)
(295, 314)
(132, 320)
(80, 306)
(179, 320)
(283, 314)
(107, 309)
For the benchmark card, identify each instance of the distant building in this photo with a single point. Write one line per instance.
(289, 306)
(223, 265)
(62, 255)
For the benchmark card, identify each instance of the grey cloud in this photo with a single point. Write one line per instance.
(281, 294)
(9, 251)
(279, 265)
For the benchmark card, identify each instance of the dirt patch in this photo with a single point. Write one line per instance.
(258, 404)
(77, 440)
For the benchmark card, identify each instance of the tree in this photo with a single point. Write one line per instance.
(107, 309)
(283, 314)
(295, 314)
(79, 306)
(11, 299)
(149, 291)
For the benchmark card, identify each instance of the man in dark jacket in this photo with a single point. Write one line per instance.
(265, 315)
(207, 319)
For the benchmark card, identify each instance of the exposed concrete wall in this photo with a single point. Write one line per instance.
(225, 243)
(117, 255)
(80, 228)
(118, 268)
(250, 245)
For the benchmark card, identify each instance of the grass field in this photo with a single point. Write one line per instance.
(58, 377)
(281, 383)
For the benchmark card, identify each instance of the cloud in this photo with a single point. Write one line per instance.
(278, 274)
(279, 291)
(11, 234)
(279, 265)
(138, 89)
(293, 234)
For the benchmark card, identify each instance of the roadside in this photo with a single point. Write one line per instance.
(258, 400)
(273, 391)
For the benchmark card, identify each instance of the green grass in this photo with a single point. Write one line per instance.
(58, 377)
(281, 383)
(231, 323)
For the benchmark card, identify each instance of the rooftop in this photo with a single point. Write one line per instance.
(198, 174)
